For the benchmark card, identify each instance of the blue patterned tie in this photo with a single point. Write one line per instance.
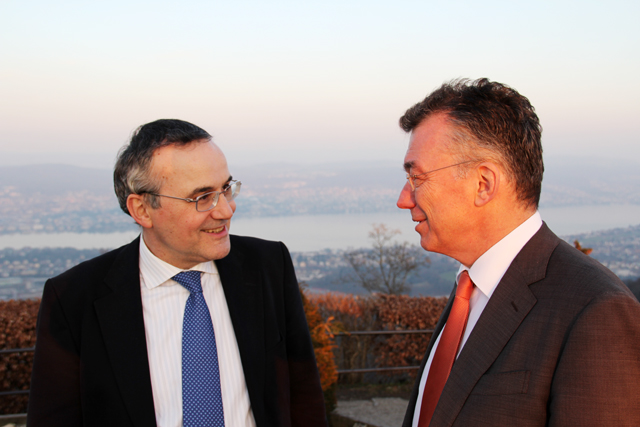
(201, 395)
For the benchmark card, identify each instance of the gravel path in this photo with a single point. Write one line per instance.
(375, 412)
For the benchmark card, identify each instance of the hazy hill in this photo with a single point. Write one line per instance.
(583, 180)
(56, 179)
(567, 180)
(54, 198)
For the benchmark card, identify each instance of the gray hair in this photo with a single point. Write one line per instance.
(131, 174)
(489, 120)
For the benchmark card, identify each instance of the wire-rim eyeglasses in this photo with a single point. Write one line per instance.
(207, 201)
(411, 177)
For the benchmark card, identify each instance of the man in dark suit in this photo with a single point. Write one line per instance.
(535, 333)
(186, 325)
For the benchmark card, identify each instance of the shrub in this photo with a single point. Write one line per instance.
(401, 312)
(17, 330)
(380, 312)
(351, 313)
(326, 315)
(322, 337)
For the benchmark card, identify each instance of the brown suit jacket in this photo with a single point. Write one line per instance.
(558, 344)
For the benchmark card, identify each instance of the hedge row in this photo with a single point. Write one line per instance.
(326, 315)
(17, 330)
(380, 312)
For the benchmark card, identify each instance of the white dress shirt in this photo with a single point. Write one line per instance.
(485, 273)
(163, 304)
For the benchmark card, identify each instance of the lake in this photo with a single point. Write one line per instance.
(316, 232)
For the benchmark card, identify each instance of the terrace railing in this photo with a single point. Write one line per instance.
(377, 333)
(340, 371)
(14, 417)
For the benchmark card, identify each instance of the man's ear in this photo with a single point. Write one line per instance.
(139, 210)
(488, 178)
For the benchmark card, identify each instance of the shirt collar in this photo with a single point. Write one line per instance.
(156, 272)
(488, 270)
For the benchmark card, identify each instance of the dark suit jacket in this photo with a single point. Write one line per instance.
(91, 367)
(558, 344)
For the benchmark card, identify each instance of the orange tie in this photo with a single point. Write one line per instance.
(447, 349)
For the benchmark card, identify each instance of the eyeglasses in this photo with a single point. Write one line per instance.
(207, 201)
(411, 178)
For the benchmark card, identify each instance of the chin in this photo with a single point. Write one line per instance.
(428, 245)
(221, 251)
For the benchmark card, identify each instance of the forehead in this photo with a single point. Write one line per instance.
(200, 163)
(428, 144)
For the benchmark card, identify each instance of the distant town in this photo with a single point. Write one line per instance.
(23, 272)
(28, 208)
(76, 199)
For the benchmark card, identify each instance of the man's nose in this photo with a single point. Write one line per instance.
(406, 200)
(222, 210)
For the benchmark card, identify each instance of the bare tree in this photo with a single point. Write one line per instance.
(387, 265)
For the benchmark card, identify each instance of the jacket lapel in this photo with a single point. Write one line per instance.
(243, 291)
(509, 305)
(122, 325)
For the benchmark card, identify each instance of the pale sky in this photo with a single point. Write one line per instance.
(300, 82)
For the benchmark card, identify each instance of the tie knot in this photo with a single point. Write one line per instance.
(190, 280)
(465, 286)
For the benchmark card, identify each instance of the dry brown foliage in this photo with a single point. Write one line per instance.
(351, 313)
(401, 312)
(17, 330)
(322, 336)
(379, 312)
(578, 246)
(332, 312)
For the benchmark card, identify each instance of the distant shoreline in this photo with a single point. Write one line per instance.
(340, 231)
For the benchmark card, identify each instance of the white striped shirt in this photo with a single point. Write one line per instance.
(163, 304)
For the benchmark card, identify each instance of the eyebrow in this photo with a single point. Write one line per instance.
(208, 188)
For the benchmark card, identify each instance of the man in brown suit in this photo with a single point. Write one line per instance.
(550, 337)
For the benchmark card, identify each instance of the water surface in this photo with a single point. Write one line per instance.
(316, 232)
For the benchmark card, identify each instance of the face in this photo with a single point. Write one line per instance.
(441, 204)
(178, 233)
